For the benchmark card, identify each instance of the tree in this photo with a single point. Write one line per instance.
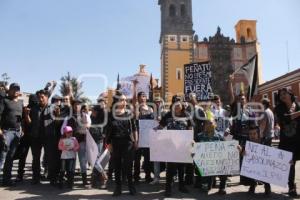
(71, 86)
(5, 78)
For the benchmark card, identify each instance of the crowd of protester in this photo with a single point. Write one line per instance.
(58, 125)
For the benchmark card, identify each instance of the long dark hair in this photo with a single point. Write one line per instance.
(289, 91)
(281, 107)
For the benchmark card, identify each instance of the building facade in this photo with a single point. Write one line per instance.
(270, 89)
(180, 46)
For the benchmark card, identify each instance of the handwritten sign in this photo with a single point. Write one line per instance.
(197, 79)
(217, 158)
(127, 88)
(171, 146)
(145, 129)
(266, 164)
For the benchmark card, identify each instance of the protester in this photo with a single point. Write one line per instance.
(266, 124)
(158, 114)
(69, 146)
(50, 125)
(254, 136)
(11, 113)
(240, 113)
(288, 116)
(175, 119)
(209, 134)
(197, 116)
(123, 140)
(98, 132)
(80, 122)
(25, 142)
(144, 112)
(221, 116)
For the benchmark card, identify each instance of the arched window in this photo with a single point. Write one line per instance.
(172, 11)
(249, 33)
(182, 10)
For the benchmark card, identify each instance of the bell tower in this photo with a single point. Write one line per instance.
(176, 40)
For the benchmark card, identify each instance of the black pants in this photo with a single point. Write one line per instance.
(189, 173)
(36, 150)
(172, 169)
(137, 163)
(67, 165)
(21, 154)
(292, 176)
(122, 159)
(52, 158)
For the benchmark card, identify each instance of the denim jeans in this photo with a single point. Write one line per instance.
(82, 155)
(12, 139)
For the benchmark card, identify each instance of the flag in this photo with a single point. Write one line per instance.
(151, 89)
(250, 70)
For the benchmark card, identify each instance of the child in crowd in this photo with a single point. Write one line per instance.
(69, 146)
(254, 136)
(209, 135)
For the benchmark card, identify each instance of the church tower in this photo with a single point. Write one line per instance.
(176, 40)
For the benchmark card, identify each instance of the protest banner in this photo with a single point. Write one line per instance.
(197, 79)
(145, 129)
(266, 164)
(217, 158)
(171, 146)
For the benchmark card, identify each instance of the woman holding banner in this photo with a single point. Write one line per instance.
(288, 116)
(175, 119)
(122, 139)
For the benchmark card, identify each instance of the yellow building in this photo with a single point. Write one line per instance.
(179, 46)
(176, 42)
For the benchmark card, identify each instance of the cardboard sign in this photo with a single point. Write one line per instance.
(197, 79)
(145, 129)
(171, 146)
(217, 158)
(266, 164)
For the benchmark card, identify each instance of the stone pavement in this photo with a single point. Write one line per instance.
(146, 192)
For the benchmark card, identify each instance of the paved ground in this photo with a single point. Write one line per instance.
(45, 191)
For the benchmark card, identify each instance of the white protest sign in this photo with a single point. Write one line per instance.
(171, 146)
(145, 129)
(266, 164)
(91, 149)
(217, 158)
(143, 83)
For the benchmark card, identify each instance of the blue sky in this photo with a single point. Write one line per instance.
(42, 40)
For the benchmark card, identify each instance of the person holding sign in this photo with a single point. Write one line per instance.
(209, 135)
(145, 112)
(175, 119)
(122, 139)
(254, 136)
(288, 116)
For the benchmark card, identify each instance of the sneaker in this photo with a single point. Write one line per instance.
(293, 193)
(251, 190)
(148, 179)
(268, 191)
(117, 191)
(154, 182)
(9, 183)
(19, 179)
(222, 192)
(183, 189)
(132, 190)
(168, 193)
(35, 182)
